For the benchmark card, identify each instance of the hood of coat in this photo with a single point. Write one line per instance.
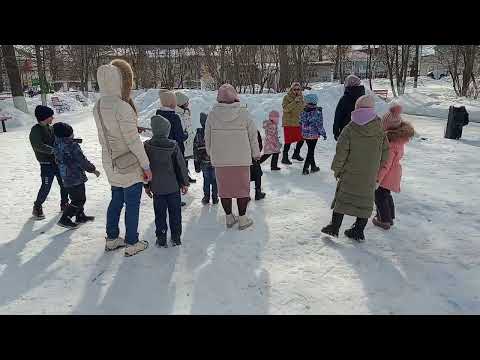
(160, 127)
(402, 134)
(126, 77)
(355, 91)
(109, 80)
(363, 116)
(371, 129)
(228, 112)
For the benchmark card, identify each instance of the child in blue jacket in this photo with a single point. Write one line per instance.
(72, 165)
(311, 123)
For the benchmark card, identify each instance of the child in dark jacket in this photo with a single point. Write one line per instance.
(256, 172)
(202, 163)
(311, 123)
(41, 139)
(72, 165)
(169, 177)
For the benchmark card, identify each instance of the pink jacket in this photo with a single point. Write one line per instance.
(390, 174)
(272, 142)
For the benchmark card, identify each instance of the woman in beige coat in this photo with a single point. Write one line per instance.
(231, 142)
(123, 156)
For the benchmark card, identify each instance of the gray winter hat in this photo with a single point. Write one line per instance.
(160, 126)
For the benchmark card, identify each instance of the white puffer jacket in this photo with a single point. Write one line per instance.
(120, 122)
(188, 127)
(231, 136)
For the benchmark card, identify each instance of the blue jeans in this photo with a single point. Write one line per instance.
(170, 202)
(131, 198)
(209, 179)
(48, 172)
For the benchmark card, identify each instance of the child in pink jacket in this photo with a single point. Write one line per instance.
(398, 133)
(272, 142)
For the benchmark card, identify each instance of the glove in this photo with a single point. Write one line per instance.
(97, 173)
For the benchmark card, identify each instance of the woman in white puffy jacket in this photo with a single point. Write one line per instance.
(183, 111)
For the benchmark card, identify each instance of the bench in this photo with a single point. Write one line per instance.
(381, 93)
(59, 105)
(3, 119)
(81, 100)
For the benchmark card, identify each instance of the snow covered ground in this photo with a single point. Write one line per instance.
(430, 98)
(428, 263)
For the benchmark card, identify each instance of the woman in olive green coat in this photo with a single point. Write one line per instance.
(293, 105)
(362, 147)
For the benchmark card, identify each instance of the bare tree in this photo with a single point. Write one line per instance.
(460, 61)
(284, 67)
(13, 73)
(417, 56)
(397, 59)
(41, 74)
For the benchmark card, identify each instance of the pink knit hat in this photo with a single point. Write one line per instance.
(365, 101)
(274, 116)
(168, 99)
(227, 94)
(392, 119)
(352, 80)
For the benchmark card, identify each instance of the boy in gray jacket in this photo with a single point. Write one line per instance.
(169, 177)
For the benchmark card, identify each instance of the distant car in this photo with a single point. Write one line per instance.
(437, 74)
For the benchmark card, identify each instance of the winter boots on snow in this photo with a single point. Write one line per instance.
(355, 232)
(334, 226)
(114, 244)
(37, 212)
(230, 220)
(244, 222)
(161, 240)
(134, 249)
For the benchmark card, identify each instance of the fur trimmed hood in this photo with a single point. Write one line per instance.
(126, 74)
(404, 132)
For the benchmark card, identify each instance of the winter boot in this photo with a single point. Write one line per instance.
(274, 163)
(259, 195)
(67, 223)
(296, 156)
(37, 212)
(82, 218)
(356, 231)
(285, 159)
(244, 222)
(113, 244)
(176, 240)
(231, 220)
(332, 228)
(380, 224)
(134, 249)
(305, 172)
(314, 169)
(214, 200)
(161, 240)
(205, 200)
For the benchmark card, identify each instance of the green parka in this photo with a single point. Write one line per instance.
(361, 149)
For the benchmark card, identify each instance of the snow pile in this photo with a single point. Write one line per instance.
(18, 118)
(259, 105)
(430, 98)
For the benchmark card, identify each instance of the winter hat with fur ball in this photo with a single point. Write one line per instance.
(392, 119)
(168, 99)
(43, 112)
(274, 116)
(311, 99)
(365, 101)
(227, 94)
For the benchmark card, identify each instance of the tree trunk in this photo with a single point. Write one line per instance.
(2, 88)
(417, 55)
(320, 52)
(41, 74)
(369, 67)
(284, 68)
(14, 77)
(389, 62)
(469, 61)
